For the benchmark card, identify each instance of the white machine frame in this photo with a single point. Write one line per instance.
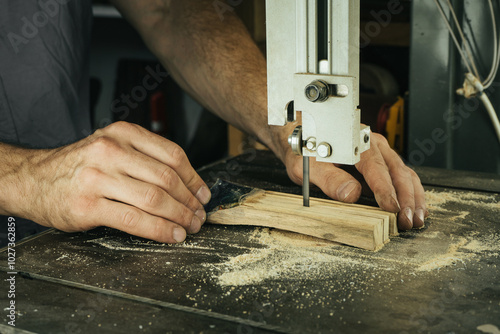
(331, 130)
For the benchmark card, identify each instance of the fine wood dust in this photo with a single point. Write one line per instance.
(435, 200)
(287, 254)
(452, 256)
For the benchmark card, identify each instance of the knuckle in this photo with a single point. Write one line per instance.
(414, 175)
(104, 146)
(330, 179)
(178, 155)
(99, 133)
(378, 165)
(403, 173)
(82, 206)
(153, 197)
(192, 181)
(120, 126)
(182, 216)
(192, 203)
(361, 165)
(157, 231)
(186, 216)
(379, 139)
(168, 178)
(402, 165)
(130, 220)
(89, 176)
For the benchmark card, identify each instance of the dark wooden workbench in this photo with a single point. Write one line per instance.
(443, 278)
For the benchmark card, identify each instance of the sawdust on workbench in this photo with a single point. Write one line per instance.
(145, 246)
(287, 254)
(452, 255)
(435, 199)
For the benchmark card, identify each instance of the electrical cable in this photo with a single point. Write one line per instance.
(491, 112)
(450, 29)
(496, 51)
(464, 41)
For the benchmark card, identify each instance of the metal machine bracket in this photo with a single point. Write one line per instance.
(325, 91)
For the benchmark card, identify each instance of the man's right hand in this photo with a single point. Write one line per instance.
(122, 176)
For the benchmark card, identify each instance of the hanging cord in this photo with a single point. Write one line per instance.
(464, 41)
(492, 113)
(496, 51)
(452, 33)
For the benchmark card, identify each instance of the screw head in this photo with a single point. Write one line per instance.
(324, 150)
(311, 144)
(317, 91)
(367, 138)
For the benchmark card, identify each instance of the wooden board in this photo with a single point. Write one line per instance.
(351, 224)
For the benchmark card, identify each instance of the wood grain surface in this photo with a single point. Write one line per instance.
(351, 224)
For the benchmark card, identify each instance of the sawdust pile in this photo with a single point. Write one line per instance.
(489, 243)
(451, 257)
(435, 200)
(287, 254)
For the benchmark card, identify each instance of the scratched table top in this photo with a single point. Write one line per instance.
(442, 278)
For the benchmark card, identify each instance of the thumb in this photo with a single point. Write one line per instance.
(335, 182)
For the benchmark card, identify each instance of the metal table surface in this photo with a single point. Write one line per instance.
(442, 278)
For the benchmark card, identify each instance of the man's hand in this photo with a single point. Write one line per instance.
(121, 176)
(396, 187)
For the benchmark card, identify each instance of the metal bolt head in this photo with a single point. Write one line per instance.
(324, 150)
(311, 144)
(317, 91)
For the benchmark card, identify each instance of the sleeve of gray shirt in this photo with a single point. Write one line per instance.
(44, 66)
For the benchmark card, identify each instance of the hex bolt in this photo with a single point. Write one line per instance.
(317, 91)
(311, 144)
(324, 150)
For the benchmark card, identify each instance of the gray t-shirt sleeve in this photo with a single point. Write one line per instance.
(44, 66)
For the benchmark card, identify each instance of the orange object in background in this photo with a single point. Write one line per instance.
(394, 127)
(390, 123)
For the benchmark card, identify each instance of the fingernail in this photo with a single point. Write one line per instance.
(395, 201)
(420, 214)
(409, 215)
(201, 214)
(195, 225)
(179, 234)
(203, 195)
(346, 189)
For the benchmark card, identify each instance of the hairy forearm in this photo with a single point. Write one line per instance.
(13, 189)
(214, 60)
